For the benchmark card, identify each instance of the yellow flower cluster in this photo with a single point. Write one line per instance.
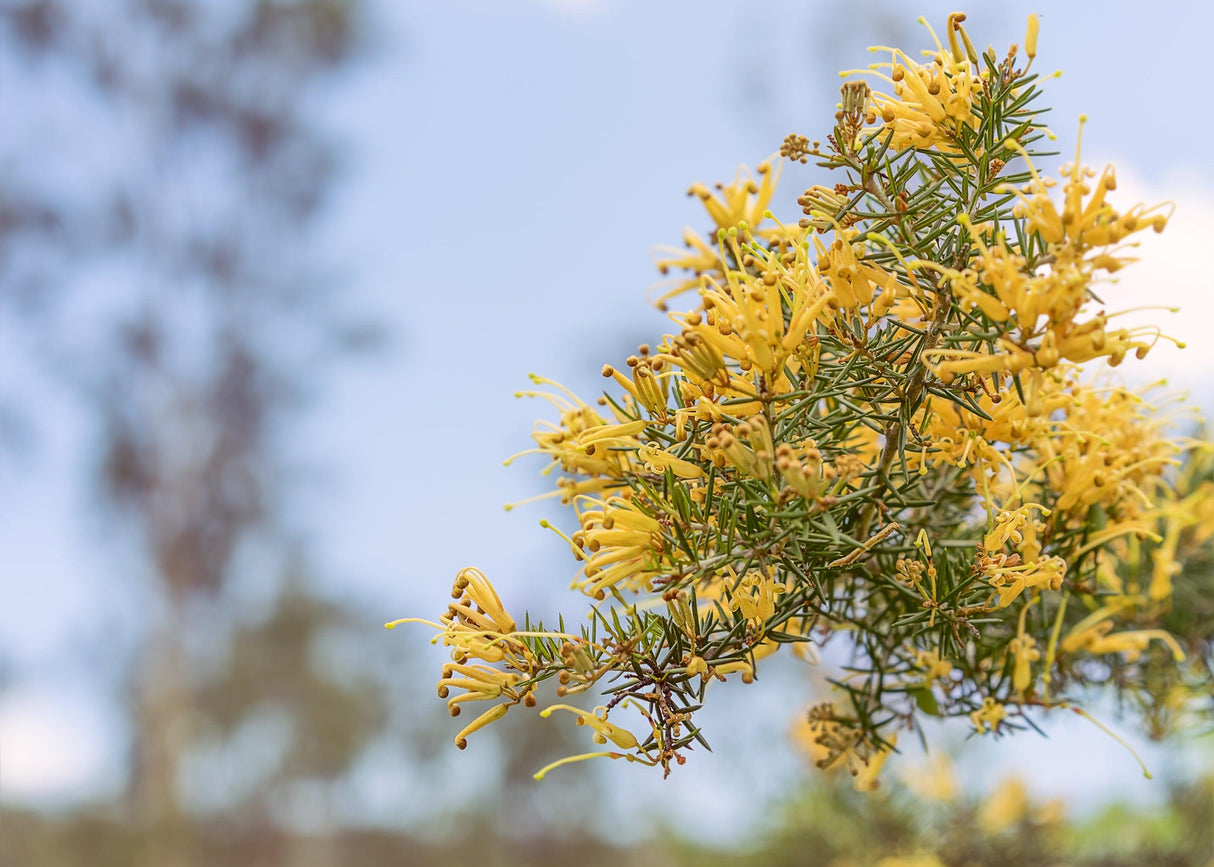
(931, 100)
(622, 545)
(477, 626)
(1009, 804)
(742, 203)
(836, 743)
(1037, 308)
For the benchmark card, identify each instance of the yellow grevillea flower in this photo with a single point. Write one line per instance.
(742, 203)
(1110, 451)
(476, 624)
(932, 100)
(754, 596)
(702, 359)
(1012, 526)
(477, 600)
(622, 546)
(603, 730)
(959, 437)
(947, 364)
(740, 665)
(805, 736)
(1165, 567)
(492, 715)
(1039, 307)
(658, 460)
(481, 682)
(742, 318)
(935, 667)
(643, 386)
(1188, 523)
(1081, 225)
(700, 259)
(802, 467)
(1024, 652)
(1030, 37)
(833, 744)
(853, 280)
(821, 206)
(697, 665)
(747, 446)
(1098, 638)
(1009, 581)
(582, 443)
(1005, 807)
(989, 715)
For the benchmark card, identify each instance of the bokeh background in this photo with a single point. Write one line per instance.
(270, 274)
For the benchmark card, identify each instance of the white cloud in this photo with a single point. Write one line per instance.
(53, 748)
(1175, 269)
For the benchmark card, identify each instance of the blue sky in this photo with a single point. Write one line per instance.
(510, 166)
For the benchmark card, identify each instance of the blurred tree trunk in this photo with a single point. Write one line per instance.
(315, 850)
(199, 226)
(161, 708)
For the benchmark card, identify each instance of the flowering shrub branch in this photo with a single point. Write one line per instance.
(881, 422)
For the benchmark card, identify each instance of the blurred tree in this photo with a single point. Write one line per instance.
(834, 826)
(154, 237)
(280, 720)
(166, 180)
